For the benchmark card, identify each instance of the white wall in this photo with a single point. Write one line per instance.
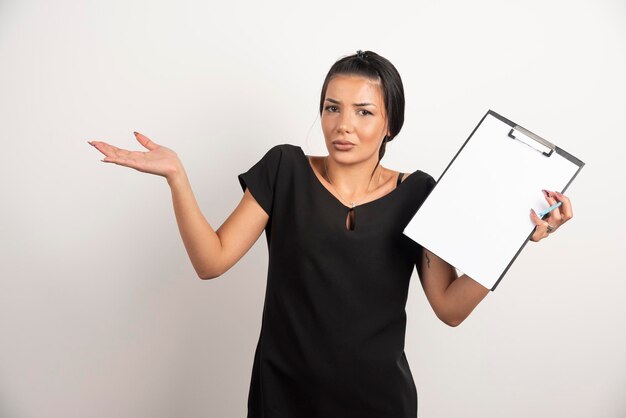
(102, 314)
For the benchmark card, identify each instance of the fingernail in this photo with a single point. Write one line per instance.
(547, 193)
(135, 132)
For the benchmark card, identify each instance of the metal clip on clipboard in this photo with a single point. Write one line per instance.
(534, 141)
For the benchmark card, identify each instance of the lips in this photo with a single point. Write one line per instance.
(343, 145)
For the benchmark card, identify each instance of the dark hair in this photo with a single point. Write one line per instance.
(370, 65)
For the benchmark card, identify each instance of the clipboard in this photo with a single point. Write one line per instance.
(477, 216)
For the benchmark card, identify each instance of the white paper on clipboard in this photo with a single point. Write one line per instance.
(477, 217)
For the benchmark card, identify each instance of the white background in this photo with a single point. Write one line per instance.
(101, 312)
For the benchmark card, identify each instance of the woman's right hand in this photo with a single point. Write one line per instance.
(158, 160)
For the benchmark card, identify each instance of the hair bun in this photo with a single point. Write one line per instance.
(361, 54)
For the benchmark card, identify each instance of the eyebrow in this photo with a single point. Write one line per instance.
(355, 104)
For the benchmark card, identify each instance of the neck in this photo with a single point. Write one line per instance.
(353, 180)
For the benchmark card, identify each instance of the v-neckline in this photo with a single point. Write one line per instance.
(325, 189)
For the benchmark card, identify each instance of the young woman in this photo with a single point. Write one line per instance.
(332, 336)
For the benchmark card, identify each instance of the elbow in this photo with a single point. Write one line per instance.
(208, 275)
(451, 320)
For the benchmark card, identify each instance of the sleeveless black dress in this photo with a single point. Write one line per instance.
(331, 343)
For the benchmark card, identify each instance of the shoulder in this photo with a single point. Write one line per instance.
(422, 183)
(420, 177)
(279, 161)
(281, 153)
(284, 148)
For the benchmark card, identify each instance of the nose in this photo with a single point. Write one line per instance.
(344, 124)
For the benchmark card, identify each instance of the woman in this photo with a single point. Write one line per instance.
(332, 335)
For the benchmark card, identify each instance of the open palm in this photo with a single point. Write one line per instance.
(158, 160)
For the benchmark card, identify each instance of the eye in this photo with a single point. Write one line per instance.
(331, 108)
(364, 112)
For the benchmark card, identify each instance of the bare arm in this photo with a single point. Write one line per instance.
(212, 252)
(452, 298)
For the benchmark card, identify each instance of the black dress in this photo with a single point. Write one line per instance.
(331, 343)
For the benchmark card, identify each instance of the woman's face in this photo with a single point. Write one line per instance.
(354, 119)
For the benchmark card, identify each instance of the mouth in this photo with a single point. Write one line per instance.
(343, 145)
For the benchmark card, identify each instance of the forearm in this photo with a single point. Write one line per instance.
(200, 239)
(461, 296)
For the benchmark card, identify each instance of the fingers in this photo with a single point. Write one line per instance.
(561, 214)
(145, 141)
(113, 152)
(117, 155)
(541, 227)
(566, 206)
(555, 215)
(110, 151)
(535, 218)
(552, 221)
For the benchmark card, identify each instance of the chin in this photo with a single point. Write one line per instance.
(349, 157)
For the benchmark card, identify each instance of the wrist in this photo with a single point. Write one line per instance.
(177, 175)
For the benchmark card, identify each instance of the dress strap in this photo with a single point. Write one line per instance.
(399, 179)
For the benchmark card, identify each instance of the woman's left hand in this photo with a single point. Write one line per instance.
(554, 219)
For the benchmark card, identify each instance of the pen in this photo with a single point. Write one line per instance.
(550, 209)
